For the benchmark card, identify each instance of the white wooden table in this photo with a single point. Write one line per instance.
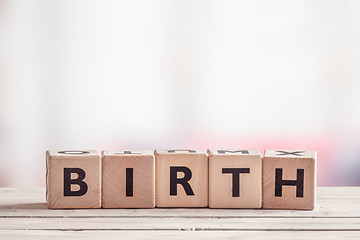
(24, 214)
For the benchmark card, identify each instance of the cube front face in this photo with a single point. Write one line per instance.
(235, 179)
(128, 179)
(289, 179)
(181, 178)
(73, 179)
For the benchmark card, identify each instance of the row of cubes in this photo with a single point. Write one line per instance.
(282, 179)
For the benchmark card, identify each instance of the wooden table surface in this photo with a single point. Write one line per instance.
(24, 214)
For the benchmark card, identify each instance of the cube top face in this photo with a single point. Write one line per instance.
(128, 153)
(73, 179)
(179, 151)
(289, 182)
(181, 178)
(235, 179)
(290, 154)
(237, 152)
(72, 153)
(128, 179)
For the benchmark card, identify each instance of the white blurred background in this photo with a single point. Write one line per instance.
(179, 74)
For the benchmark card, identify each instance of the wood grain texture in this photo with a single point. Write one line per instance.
(221, 192)
(290, 162)
(197, 162)
(24, 214)
(114, 181)
(183, 234)
(89, 162)
(334, 202)
(178, 224)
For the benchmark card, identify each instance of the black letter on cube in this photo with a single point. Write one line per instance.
(183, 181)
(299, 182)
(236, 178)
(79, 181)
(235, 151)
(129, 182)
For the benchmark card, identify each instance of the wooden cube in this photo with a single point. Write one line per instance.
(181, 178)
(128, 179)
(289, 179)
(235, 179)
(73, 179)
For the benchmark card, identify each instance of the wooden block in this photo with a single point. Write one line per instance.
(289, 179)
(235, 179)
(181, 178)
(128, 179)
(73, 179)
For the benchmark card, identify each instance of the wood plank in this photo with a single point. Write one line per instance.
(201, 224)
(24, 214)
(30, 203)
(166, 235)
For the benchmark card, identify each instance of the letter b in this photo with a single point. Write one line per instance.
(68, 181)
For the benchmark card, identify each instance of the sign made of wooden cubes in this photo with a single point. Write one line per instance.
(282, 179)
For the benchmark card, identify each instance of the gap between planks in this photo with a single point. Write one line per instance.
(194, 230)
